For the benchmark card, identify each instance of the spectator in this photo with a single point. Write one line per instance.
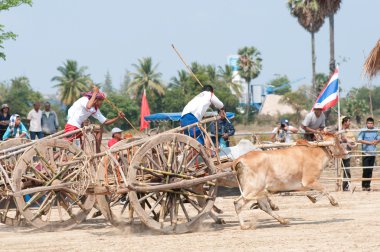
(49, 121)
(369, 140)
(34, 117)
(348, 139)
(4, 119)
(225, 130)
(314, 122)
(116, 136)
(282, 133)
(16, 128)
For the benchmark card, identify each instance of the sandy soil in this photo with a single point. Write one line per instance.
(353, 226)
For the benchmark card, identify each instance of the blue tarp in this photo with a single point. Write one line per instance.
(176, 116)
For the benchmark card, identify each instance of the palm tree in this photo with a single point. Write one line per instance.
(328, 9)
(145, 77)
(181, 81)
(226, 76)
(249, 68)
(72, 81)
(311, 19)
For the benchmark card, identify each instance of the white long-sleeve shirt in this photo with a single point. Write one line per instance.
(78, 113)
(200, 103)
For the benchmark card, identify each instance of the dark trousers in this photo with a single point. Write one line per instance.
(34, 134)
(367, 172)
(346, 172)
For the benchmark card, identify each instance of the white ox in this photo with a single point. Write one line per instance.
(296, 168)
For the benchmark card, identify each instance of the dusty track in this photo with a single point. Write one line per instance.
(353, 226)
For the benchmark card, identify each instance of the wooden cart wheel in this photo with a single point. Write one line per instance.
(9, 213)
(166, 159)
(115, 207)
(50, 181)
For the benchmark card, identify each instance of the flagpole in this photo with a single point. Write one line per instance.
(339, 122)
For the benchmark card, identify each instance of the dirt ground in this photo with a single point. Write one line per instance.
(353, 226)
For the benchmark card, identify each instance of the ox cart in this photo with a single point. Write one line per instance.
(167, 180)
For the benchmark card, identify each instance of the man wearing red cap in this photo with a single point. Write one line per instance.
(83, 108)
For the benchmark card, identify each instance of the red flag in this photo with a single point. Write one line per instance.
(145, 111)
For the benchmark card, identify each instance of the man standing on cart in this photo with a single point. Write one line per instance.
(196, 109)
(83, 108)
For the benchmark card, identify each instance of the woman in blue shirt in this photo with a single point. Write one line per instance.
(16, 128)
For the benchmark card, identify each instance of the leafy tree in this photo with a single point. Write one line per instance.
(328, 9)
(226, 77)
(72, 81)
(21, 96)
(281, 84)
(320, 81)
(107, 86)
(311, 18)
(145, 77)
(130, 108)
(249, 68)
(298, 100)
(3, 92)
(4, 6)
(125, 84)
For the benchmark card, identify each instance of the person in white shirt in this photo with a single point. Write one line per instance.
(34, 118)
(196, 109)
(282, 133)
(314, 122)
(85, 107)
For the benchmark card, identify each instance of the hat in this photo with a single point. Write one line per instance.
(4, 106)
(284, 121)
(99, 95)
(116, 130)
(318, 106)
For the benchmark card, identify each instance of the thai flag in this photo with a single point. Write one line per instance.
(329, 94)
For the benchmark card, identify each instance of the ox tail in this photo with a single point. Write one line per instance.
(239, 168)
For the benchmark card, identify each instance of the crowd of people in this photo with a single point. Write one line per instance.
(41, 123)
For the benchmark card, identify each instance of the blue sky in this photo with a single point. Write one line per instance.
(112, 35)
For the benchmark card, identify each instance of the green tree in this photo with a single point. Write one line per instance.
(280, 85)
(72, 81)
(145, 77)
(125, 84)
(311, 18)
(249, 68)
(226, 76)
(107, 86)
(6, 35)
(328, 9)
(320, 81)
(299, 100)
(21, 96)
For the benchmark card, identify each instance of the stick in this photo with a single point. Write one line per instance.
(188, 68)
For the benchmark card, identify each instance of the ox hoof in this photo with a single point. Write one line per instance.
(220, 221)
(335, 203)
(312, 199)
(245, 227)
(275, 208)
(284, 222)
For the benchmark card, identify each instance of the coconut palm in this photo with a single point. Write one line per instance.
(328, 9)
(226, 76)
(145, 77)
(72, 81)
(249, 68)
(181, 81)
(311, 19)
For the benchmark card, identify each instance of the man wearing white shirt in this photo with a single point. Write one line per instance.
(83, 108)
(34, 117)
(196, 109)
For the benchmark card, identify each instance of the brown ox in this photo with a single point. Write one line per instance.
(296, 168)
